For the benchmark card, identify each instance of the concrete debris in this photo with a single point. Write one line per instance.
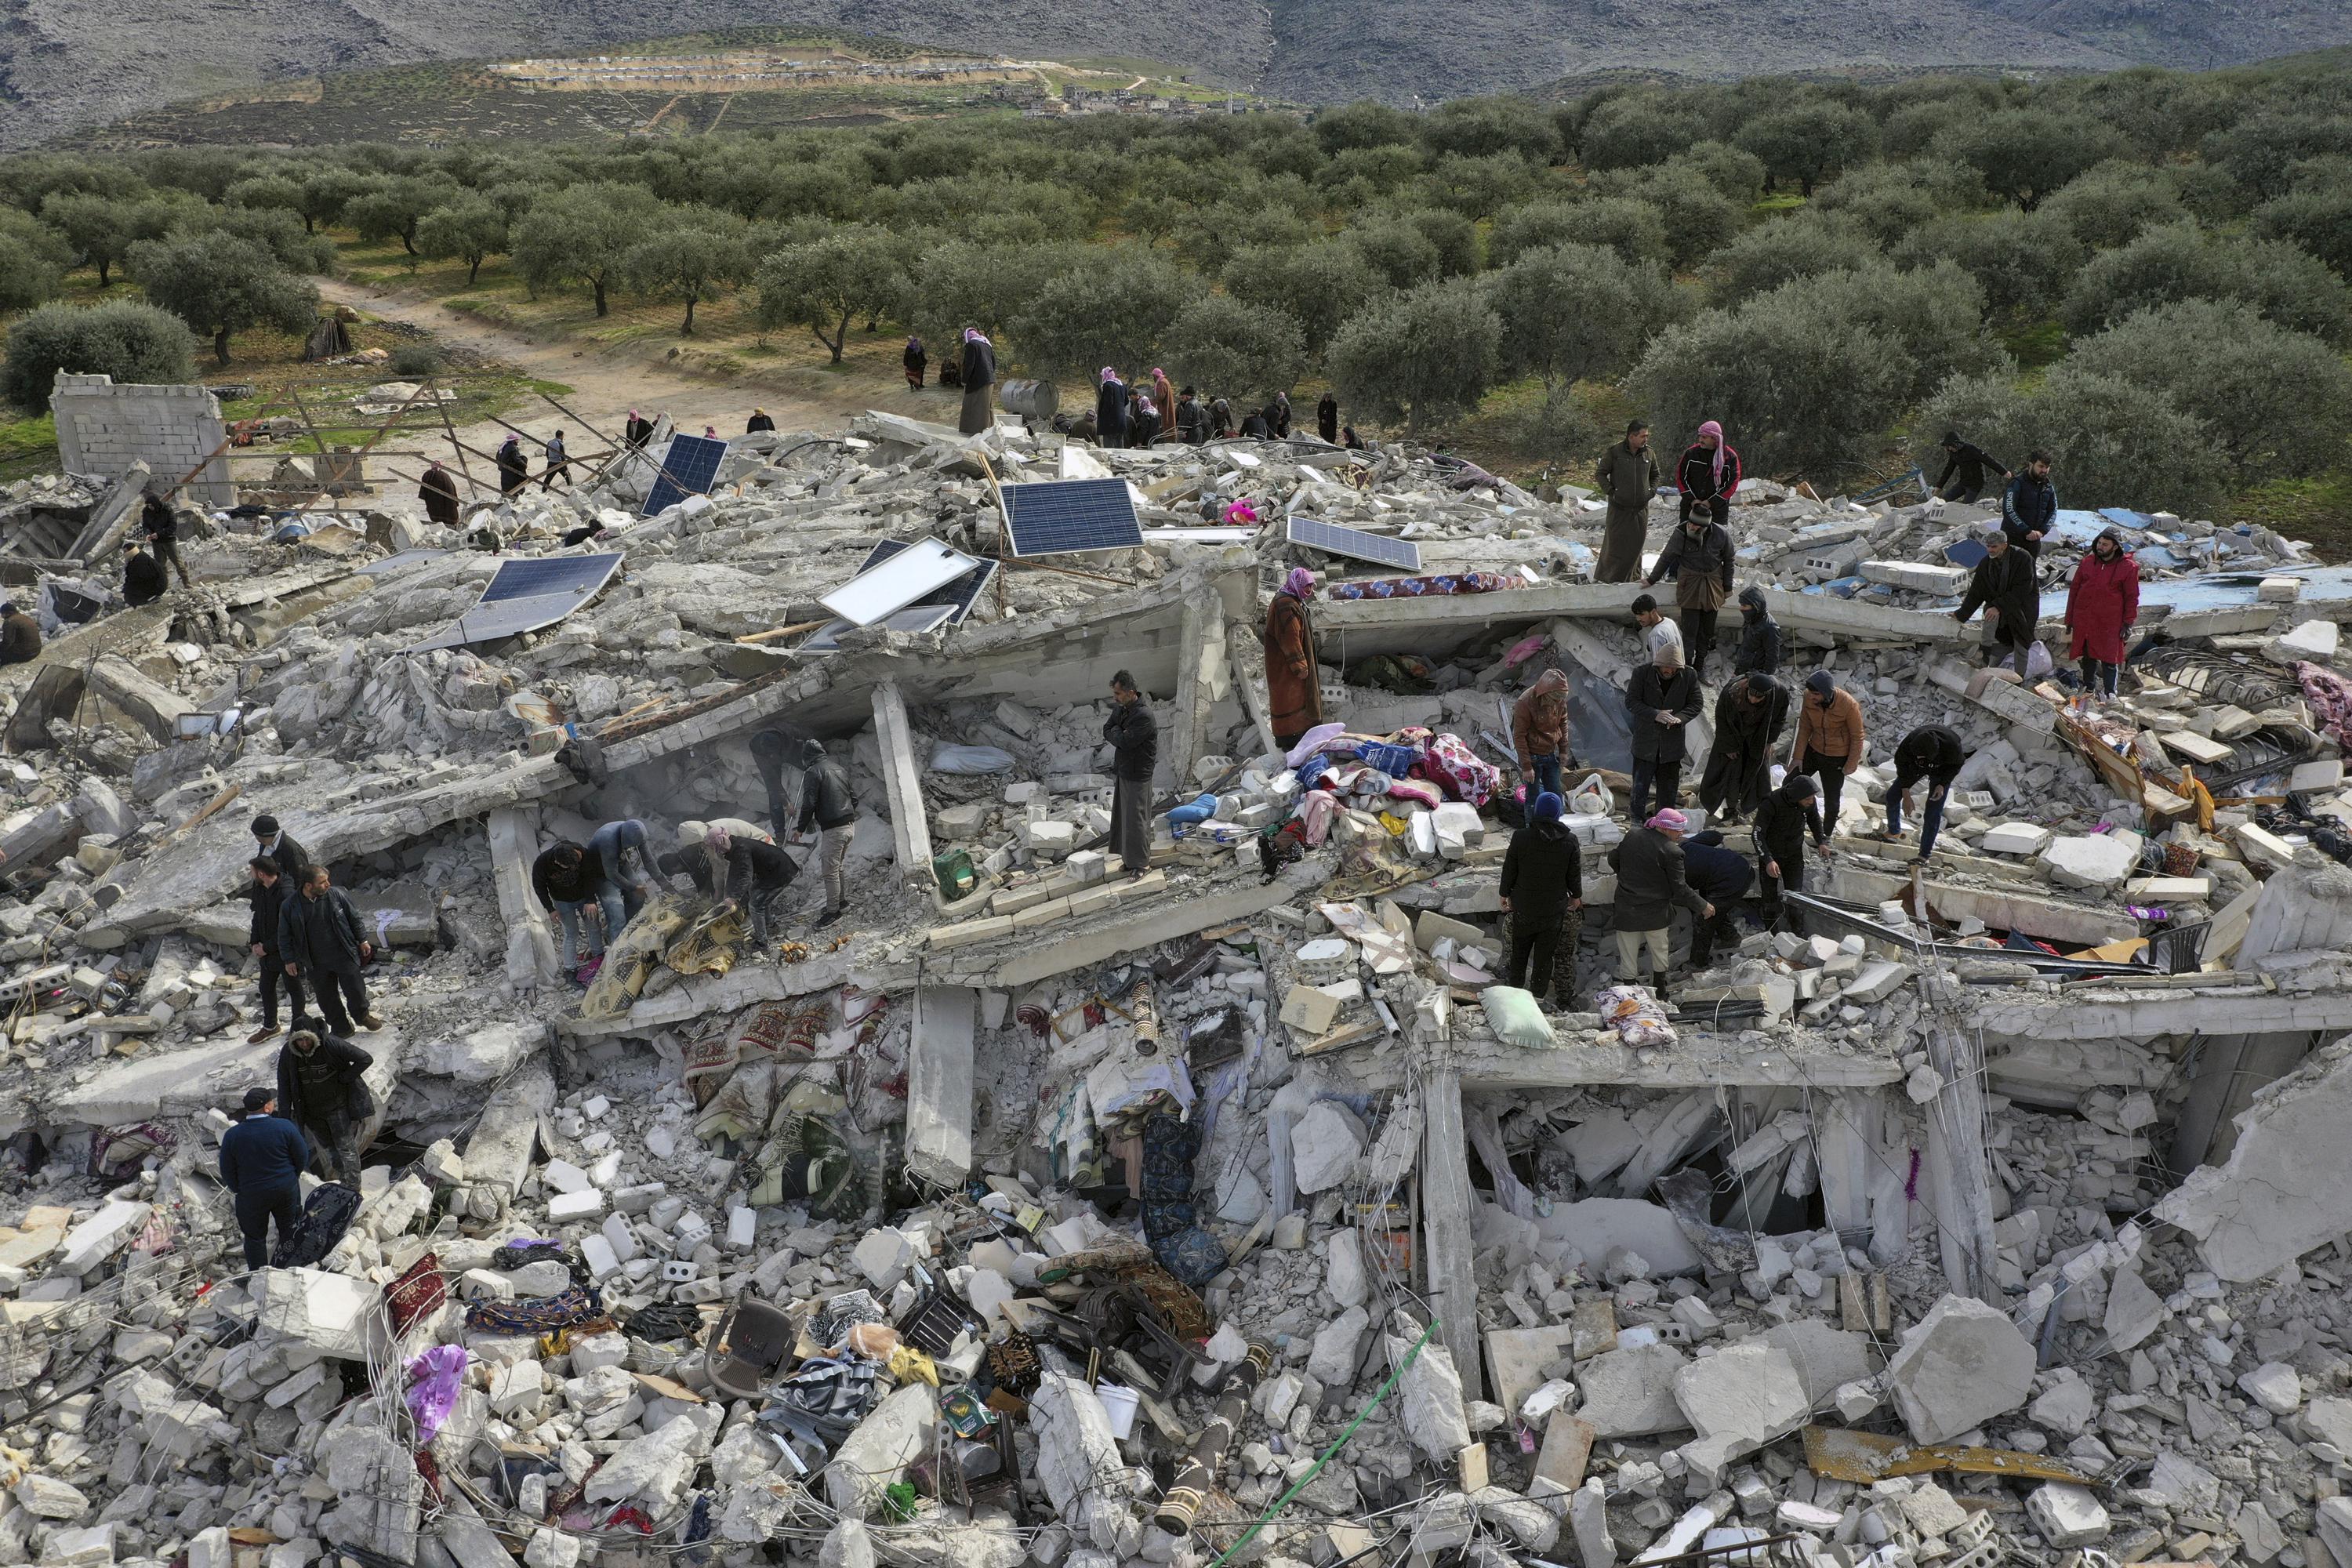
(999, 1203)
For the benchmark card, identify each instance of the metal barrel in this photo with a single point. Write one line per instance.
(1030, 399)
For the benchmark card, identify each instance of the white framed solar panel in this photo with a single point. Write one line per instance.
(525, 594)
(1335, 539)
(897, 580)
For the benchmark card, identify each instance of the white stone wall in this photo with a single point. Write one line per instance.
(103, 428)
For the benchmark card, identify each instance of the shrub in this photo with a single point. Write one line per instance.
(1774, 253)
(2023, 261)
(1577, 311)
(413, 362)
(1117, 308)
(126, 339)
(221, 284)
(1421, 355)
(1244, 351)
(2286, 283)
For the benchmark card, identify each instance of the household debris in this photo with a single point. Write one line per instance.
(1044, 1209)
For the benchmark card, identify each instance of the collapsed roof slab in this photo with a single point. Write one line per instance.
(1699, 1059)
(182, 1083)
(2143, 1012)
(1999, 908)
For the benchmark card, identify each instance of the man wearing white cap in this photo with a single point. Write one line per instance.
(1650, 882)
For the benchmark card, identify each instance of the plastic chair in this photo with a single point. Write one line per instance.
(752, 1342)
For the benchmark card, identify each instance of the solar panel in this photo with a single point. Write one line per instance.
(962, 594)
(689, 468)
(897, 580)
(1334, 539)
(1070, 517)
(524, 596)
(913, 618)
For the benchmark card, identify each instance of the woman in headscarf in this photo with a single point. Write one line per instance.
(2100, 606)
(1293, 686)
(979, 382)
(916, 362)
(440, 493)
(1708, 473)
(1144, 429)
(1111, 409)
(1327, 419)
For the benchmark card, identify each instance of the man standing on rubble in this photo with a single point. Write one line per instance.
(1327, 425)
(1829, 745)
(320, 936)
(757, 874)
(637, 431)
(1759, 635)
(2102, 603)
(559, 464)
(20, 636)
(262, 1159)
(1933, 754)
(1655, 629)
(1722, 877)
(1707, 474)
(1543, 893)
(2030, 505)
(979, 383)
(162, 526)
(1539, 732)
(1192, 419)
(269, 892)
(1651, 881)
(1786, 820)
(282, 847)
(1965, 463)
(1698, 553)
(1110, 411)
(828, 809)
(1134, 738)
(514, 468)
(1294, 682)
(1660, 701)
(1627, 476)
(2005, 583)
(321, 1086)
(1749, 713)
(439, 492)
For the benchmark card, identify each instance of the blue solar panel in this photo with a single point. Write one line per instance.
(547, 574)
(688, 468)
(962, 594)
(1334, 539)
(524, 596)
(1068, 517)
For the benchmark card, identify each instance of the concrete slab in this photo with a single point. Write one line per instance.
(939, 1084)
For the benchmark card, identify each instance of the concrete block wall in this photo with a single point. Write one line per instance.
(103, 428)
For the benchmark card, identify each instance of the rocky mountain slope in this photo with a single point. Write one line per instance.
(67, 63)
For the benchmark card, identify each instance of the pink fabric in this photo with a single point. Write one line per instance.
(1715, 428)
(1312, 741)
(1421, 790)
(438, 1373)
(1670, 821)
(1300, 582)
(1316, 808)
(1459, 770)
(1526, 649)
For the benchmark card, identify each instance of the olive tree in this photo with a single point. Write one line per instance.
(579, 235)
(2286, 283)
(1808, 143)
(471, 229)
(1574, 312)
(696, 252)
(1422, 354)
(1114, 310)
(221, 284)
(825, 283)
(1244, 351)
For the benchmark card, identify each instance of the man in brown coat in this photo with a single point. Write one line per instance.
(20, 636)
(1830, 734)
(1628, 478)
(1699, 553)
(1294, 688)
(1540, 733)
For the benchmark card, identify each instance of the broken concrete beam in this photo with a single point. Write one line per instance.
(2000, 909)
(154, 707)
(498, 1154)
(940, 1084)
(531, 956)
(1919, 576)
(2281, 1195)
(902, 780)
(1964, 1363)
(51, 835)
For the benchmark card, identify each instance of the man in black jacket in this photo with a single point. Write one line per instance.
(143, 581)
(320, 1089)
(1749, 714)
(1933, 754)
(1698, 552)
(2005, 583)
(1788, 818)
(1192, 419)
(567, 880)
(758, 873)
(1722, 877)
(1133, 735)
(1965, 463)
(2029, 507)
(269, 892)
(292, 859)
(262, 1159)
(1660, 702)
(826, 808)
(1543, 894)
(514, 468)
(162, 526)
(1651, 881)
(320, 936)
(1759, 635)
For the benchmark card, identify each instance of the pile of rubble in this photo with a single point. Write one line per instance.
(1992, 1210)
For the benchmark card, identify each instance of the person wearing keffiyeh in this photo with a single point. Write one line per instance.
(1708, 473)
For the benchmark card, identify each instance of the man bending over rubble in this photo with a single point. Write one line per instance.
(321, 1087)
(757, 874)
(567, 878)
(1651, 881)
(1783, 823)
(1935, 755)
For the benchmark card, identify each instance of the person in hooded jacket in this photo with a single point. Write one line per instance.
(1759, 635)
(1829, 736)
(1749, 714)
(1110, 410)
(514, 468)
(1722, 877)
(143, 581)
(1278, 415)
(1294, 686)
(1788, 819)
(1543, 894)
(917, 359)
(1935, 755)
(1143, 428)
(1540, 732)
(828, 808)
(1651, 883)
(2102, 603)
(438, 490)
(321, 1089)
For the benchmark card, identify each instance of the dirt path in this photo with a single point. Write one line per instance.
(605, 384)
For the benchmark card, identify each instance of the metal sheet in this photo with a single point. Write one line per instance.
(524, 596)
(1070, 517)
(1333, 539)
(913, 618)
(899, 579)
(689, 466)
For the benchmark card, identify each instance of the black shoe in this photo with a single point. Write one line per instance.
(826, 919)
(1658, 986)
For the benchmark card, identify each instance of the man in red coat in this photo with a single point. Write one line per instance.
(2100, 606)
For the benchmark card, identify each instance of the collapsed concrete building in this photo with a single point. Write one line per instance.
(1997, 1211)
